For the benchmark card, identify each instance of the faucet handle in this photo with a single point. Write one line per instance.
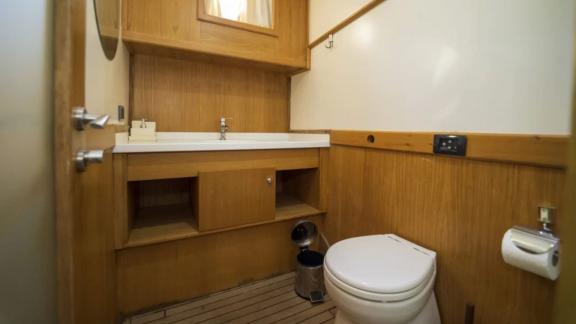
(223, 121)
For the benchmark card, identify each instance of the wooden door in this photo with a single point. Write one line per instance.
(565, 311)
(236, 197)
(86, 274)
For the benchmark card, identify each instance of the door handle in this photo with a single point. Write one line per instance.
(81, 118)
(269, 180)
(85, 158)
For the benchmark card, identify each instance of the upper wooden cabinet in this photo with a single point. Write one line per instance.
(180, 28)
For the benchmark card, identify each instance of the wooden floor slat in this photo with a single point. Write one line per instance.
(320, 318)
(264, 302)
(256, 316)
(308, 314)
(205, 316)
(292, 311)
(229, 304)
(198, 302)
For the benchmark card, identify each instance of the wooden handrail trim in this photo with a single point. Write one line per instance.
(359, 13)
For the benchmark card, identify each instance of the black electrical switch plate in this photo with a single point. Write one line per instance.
(450, 144)
(120, 112)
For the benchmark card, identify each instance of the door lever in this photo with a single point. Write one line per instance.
(85, 158)
(81, 118)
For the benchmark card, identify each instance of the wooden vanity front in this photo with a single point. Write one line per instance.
(192, 223)
(235, 197)
(168, 196)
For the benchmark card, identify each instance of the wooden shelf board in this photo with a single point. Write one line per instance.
(149, 45)
(161, 224)
(288, 207)
(169, 223)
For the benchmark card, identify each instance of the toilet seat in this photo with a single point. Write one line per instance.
(382, 268)
(376, 297)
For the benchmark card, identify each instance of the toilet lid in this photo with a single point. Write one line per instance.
(384, 264)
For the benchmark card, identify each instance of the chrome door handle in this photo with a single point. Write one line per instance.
(81, 118)
(85, 158)
(269, 180)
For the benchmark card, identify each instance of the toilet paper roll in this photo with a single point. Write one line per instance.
(546, 264)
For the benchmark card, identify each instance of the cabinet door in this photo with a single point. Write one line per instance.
(237, 197)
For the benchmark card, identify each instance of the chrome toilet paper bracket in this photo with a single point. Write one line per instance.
(533, 241)
(536, 241)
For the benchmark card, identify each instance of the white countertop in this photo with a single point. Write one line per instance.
(194, 141)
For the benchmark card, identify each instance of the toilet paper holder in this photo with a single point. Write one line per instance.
(533, 250)
(536, 241)
(533, 241)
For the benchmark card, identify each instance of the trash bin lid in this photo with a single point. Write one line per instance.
(303, 233)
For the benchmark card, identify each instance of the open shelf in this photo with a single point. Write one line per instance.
(161, 210)
(161, 224)
(288, 207)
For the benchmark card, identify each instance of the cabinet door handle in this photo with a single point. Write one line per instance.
(269, 180)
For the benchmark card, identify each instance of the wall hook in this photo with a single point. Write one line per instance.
(330, 42)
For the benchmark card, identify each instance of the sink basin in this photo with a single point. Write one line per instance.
(185, 142)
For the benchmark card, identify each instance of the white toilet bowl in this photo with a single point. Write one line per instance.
(381, 279)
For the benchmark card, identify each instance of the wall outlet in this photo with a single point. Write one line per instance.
(450, 144)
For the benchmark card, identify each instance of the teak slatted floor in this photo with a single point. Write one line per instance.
(262, 302)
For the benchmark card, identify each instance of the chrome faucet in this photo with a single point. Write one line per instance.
(223, 129)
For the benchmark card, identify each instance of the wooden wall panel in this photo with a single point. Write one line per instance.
(192, 96)
(180, 270)
(457, 207)
(546, 150)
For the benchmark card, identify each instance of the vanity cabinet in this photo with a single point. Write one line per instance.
(194, 223)
(181, 28)
(164, 197)
(235, 197)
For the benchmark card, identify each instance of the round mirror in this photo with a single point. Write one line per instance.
(107, 19)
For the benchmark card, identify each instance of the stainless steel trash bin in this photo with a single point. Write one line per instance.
(309, 268)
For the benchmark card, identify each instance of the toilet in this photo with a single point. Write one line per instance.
(381, 279)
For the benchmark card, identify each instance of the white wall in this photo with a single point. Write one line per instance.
(104, 76)
(325, 14)
(27, 227)
(445, 65)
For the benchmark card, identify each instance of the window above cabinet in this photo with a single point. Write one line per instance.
(259, 16)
